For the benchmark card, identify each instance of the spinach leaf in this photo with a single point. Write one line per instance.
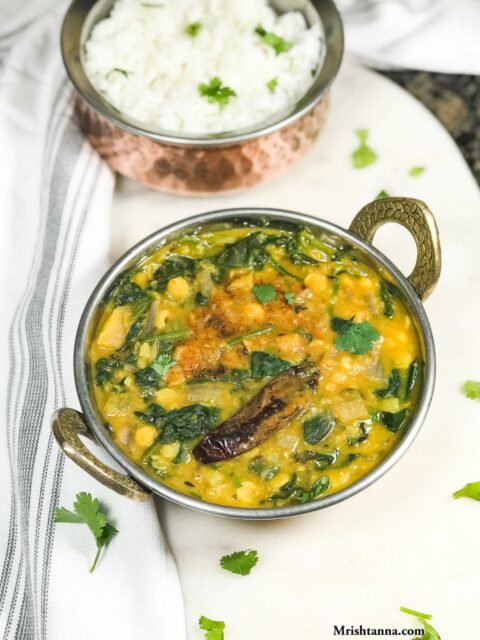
(306, 241)
(391, 391)
(413, 376)
(393, 421)
(260, 466)
(200, 299)
(105, 368)
(317, 488)
(182, 424)
(265, 365)
(321, 460)
(286, 489)
(386, 294)
(173, 267)
(248, 252)
(318, 428)
(344, 461)
(128, 292)
(147, 378)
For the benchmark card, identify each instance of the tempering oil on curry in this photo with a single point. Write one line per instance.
(255, 366)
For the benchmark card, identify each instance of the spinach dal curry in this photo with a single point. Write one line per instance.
(255, 366)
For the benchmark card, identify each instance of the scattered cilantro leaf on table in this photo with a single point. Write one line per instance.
(264, 293)
(430, 632)
(414, 172)
(87, 511)
(214, 628)
(363, 155)
(272, 40)
(471, 389)
(193, 29)
(356, 338)
(272, 85)
(470, 490)
(240, 562)
(215, 91)
(382, 194)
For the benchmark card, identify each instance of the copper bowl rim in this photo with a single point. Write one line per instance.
(79, 20)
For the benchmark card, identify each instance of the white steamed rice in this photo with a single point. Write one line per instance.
(147, 66)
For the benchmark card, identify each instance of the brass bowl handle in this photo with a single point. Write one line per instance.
(417, 218)
(67, 426)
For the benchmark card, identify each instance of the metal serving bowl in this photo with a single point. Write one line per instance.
(69, 424)
(194, 164)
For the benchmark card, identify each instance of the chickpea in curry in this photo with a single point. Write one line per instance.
(255, 366)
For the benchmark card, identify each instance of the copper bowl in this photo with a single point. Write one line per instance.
(190, 164)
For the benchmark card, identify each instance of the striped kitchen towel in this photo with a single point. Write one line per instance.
(55, 200)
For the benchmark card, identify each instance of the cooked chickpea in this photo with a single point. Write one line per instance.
(170, 451)
(169, 398)
(161, 318)
(145, 436)
(316, 282)
(253, 312)
(178, 288)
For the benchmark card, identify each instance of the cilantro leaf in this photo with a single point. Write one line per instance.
(472, 389)
(470, 490)
(272, 40)
(214, 628)
(430, 632)
(124, 72)
(193, 29)
(416, 171)
(357, 338)
(363, 155)
(216, 92)
(264, 293)
(290, 298)
(382, 194)
(272, 85)
(162, 364)
(241, 562)
(87, 510)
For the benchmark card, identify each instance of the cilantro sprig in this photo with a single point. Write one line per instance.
(240, 562)
(272, 85)
(430, 632)
(264, 293)
(193, 29)
(364, 155)
(87, 510)
(272, 40)
(471, 389)
(162, 364)
(470, 490)
(214, 628)
(414, 172)
(357, 338)
(217, 92)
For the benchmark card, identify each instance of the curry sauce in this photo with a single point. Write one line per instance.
(255, 366)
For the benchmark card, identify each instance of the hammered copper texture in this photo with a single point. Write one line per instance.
(200, 171)
(415, 216)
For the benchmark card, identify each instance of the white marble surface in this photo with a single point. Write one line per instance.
(404, 540)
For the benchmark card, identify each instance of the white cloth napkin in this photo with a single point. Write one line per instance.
(434, 35)
(55, 202)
